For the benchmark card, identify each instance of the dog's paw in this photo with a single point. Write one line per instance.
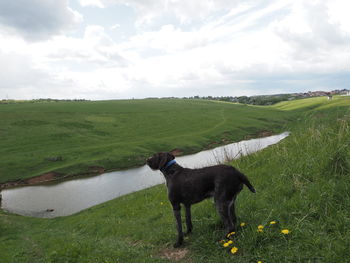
(178, 244)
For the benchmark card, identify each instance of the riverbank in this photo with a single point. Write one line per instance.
(52, 177)
(46, 141)
(302, 184)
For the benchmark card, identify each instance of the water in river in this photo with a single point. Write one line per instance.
(69, 197)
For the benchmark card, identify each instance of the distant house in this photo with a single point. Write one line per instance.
(345, 92)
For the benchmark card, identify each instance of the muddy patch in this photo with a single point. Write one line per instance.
(265, 133)
(174, 254)
(47, 177)
(51, 177)
(260, 134)
(176, 152)
(212, 145)
(43, 178)
(96, 169)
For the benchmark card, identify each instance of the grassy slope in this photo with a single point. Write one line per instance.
(118, 134)
(303, 183)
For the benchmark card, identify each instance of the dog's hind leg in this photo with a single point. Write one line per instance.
(188, 219)
(223, 208)
(232, 213)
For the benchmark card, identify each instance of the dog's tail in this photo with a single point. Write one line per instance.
(245, 180)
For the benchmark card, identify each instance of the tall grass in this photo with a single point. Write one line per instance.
(304, 184)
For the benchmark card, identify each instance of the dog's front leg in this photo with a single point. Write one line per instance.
(180, 235)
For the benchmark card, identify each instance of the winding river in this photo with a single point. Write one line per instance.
(69, 197)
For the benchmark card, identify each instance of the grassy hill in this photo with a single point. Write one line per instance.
(302, 183)
(70, 137)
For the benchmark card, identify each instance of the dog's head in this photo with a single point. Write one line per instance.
(159, 160)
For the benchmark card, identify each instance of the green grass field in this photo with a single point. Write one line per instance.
(302, 183)
(118, 134)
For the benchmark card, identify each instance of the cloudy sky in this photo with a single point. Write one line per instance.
(118, 49)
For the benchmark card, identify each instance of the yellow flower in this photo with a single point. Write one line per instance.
(230, 242)
(285, 231)
(273, 222)
(234, 250)
(231, 234)
(260, 230)
(260, 227)
(242, 224)
(226, 244)
(161, 203)
(259, 261)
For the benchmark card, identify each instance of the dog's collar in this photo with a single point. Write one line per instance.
(170, 163)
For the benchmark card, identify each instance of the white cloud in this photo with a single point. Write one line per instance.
(339, 15)
(224, 48)
(62, 67)
(94, 3)
(315, 36)
(36, 19)
(116, 26)
(186, 11)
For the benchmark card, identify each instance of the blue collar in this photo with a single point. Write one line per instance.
(170, 163)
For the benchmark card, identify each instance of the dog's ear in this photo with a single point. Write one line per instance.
(164, 158)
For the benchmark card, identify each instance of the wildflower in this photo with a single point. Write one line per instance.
(259, 261)
(230, 242)
(234, 250)
(242, 224)
(231, 234)
(273, 222)
(161, 203)
(285, 231)
(226, 244)
(260, 227)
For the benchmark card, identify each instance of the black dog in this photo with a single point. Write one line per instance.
(190, 186)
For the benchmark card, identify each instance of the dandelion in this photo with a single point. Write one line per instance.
(260, 261)
(285, 231)
(226, 244)
(234, 250)
(231, 234)
(242, 224)
(273, 222)
(230, 242)
(260, 228)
